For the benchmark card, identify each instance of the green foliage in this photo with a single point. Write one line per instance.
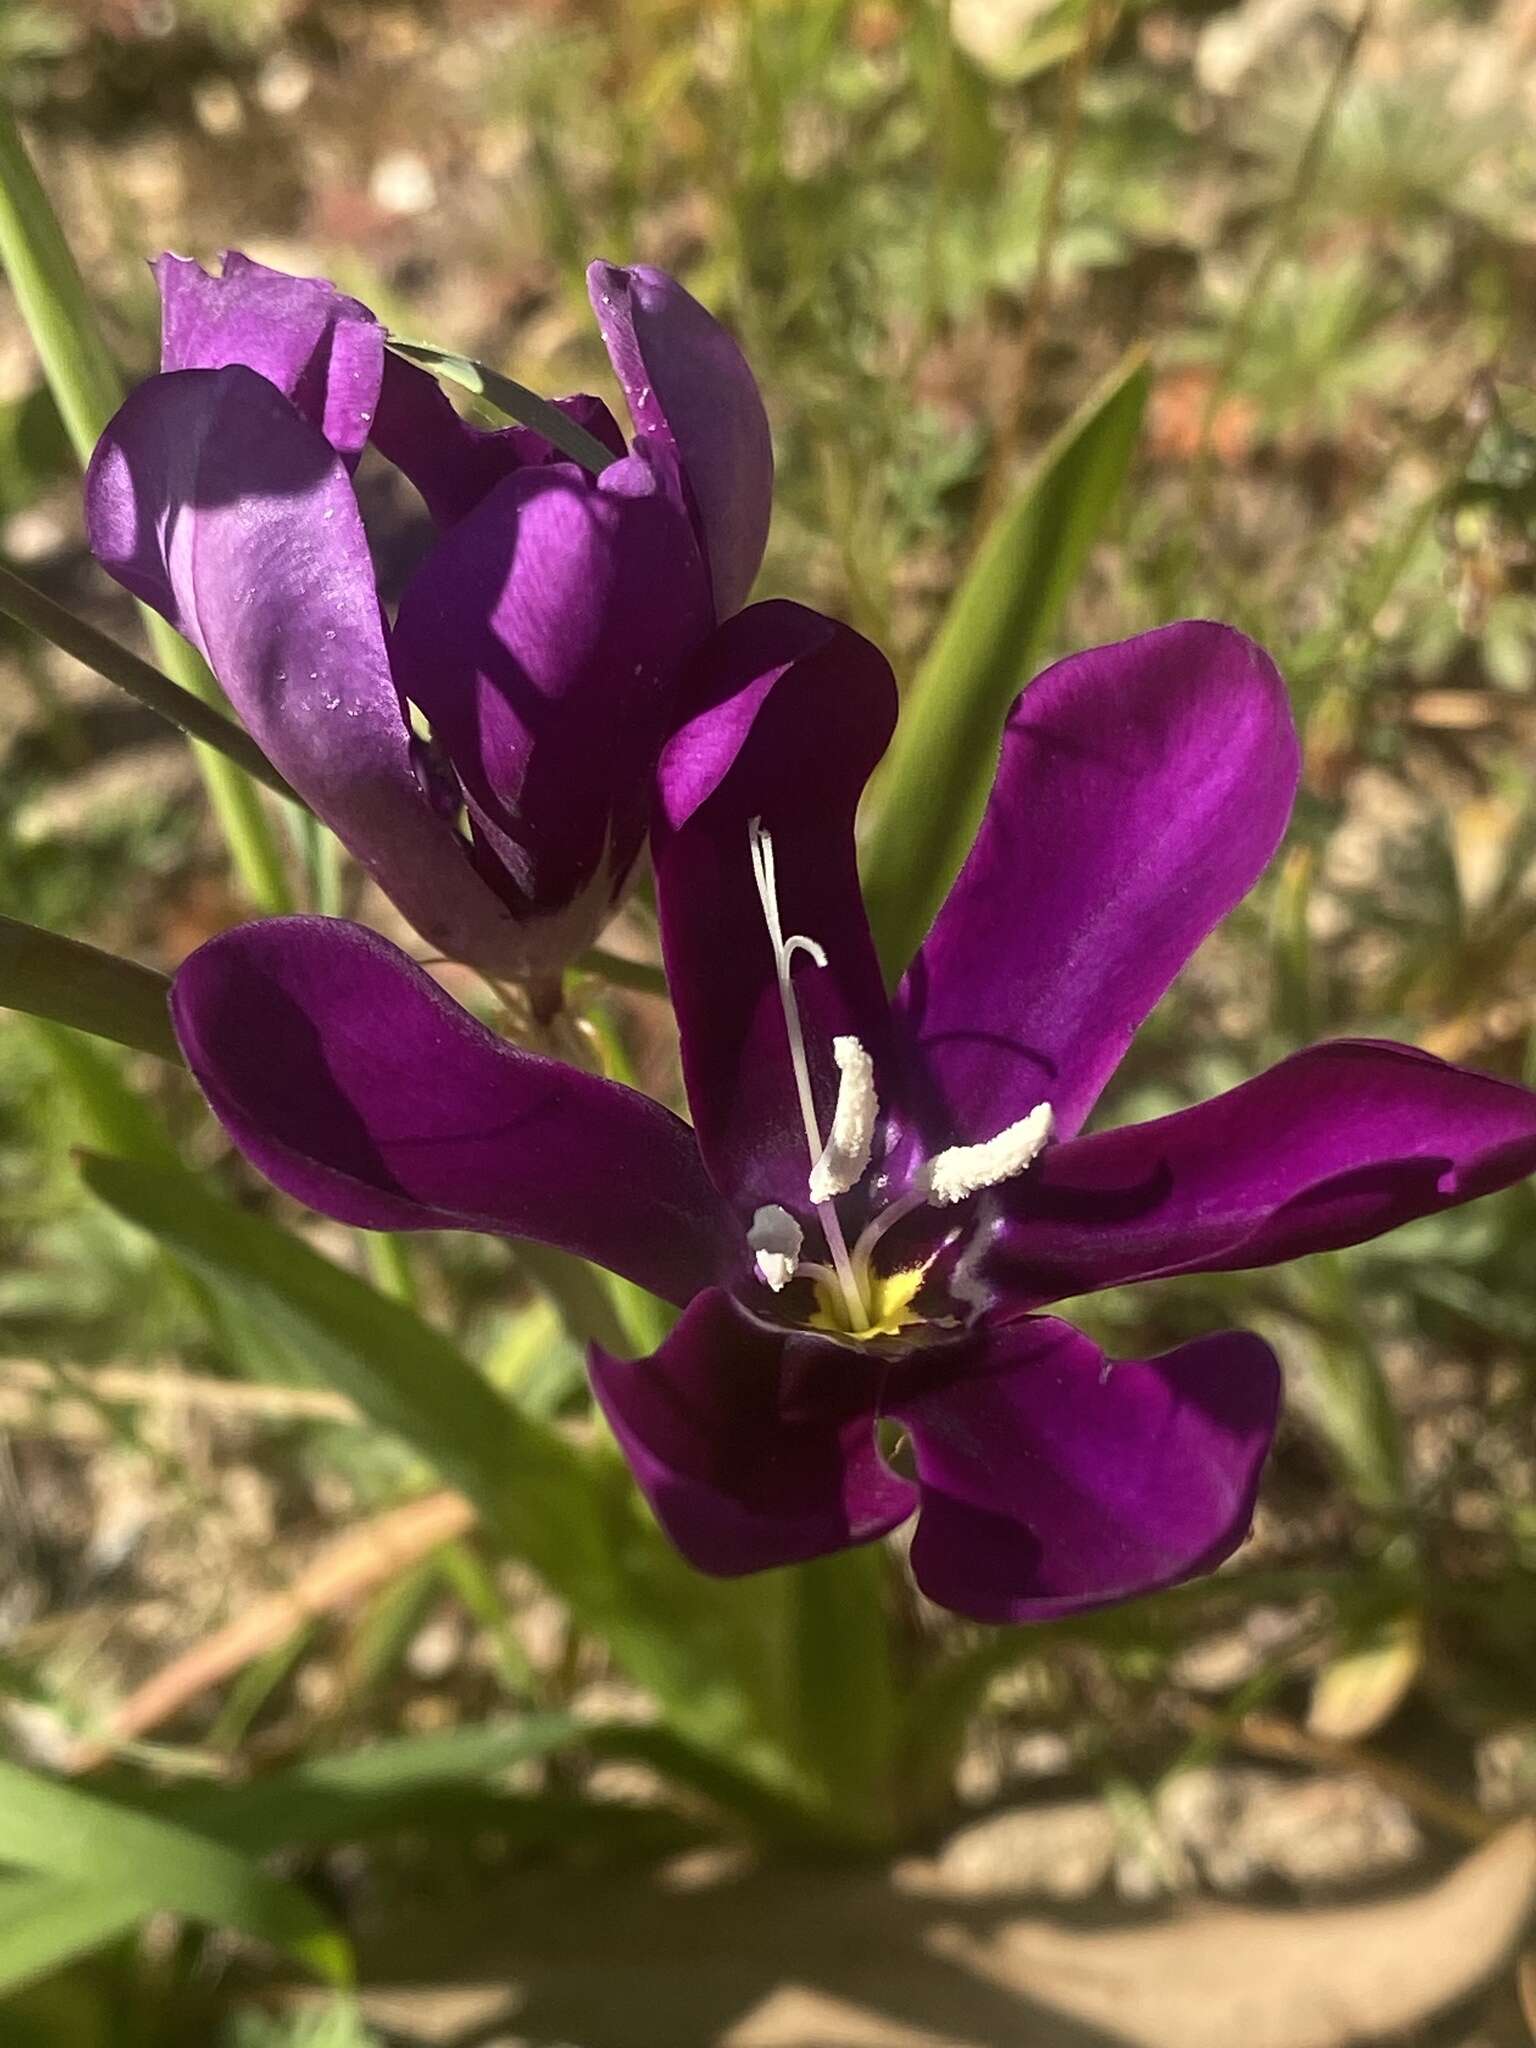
(934, 785)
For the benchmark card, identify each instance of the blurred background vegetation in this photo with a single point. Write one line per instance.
(937, 230)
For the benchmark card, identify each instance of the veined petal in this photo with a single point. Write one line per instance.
(544, 637)
(783, 717)
(352, 1081)
(753, 1448)
(452, 462)
(1141, 792)
(1051, 1480)
(689, 387)
(323, 351)
(1334, 1145)
(212, 500)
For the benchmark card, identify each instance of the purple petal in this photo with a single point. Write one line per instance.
(1142, 789)
(323, 351)
(1051, 1480)
(784, 716)
(688, 386)
(453, 463)
(347, 1076)
(543, 637)
(753, 1448)
(1332, 1146)
(210, 499)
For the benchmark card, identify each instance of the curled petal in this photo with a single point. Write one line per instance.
(354, 1083)
(323, 351)
(1335, 1145)
(543, 637)
(783, 717)
(1141, 791)
(753, 1448)
(210, 499)
(689, 387)
(1051, 1480)
(452, 462)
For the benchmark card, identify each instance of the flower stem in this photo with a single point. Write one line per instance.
(87, 390)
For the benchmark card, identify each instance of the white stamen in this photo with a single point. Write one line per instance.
(967, 1169)
(846, 1152)
(764, 873)
(775, 1238)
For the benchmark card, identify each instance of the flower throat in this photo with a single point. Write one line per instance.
(853, 1300)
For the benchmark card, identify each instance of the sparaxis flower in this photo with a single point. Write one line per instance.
(878, 1196)
(539, 640)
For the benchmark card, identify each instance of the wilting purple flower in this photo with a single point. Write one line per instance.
(542, 636)
(878, 1196)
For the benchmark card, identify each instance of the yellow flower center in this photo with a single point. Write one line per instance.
(890, 1306)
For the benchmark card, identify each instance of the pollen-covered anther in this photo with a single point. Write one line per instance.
(775, 1239)
(845, 1155)
(967, 1169)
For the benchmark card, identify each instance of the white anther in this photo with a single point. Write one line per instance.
(967, 1169)
(775, 1239)
(846, 1152)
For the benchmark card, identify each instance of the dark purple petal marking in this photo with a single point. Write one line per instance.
(689, 387)
(783, 717)
(352, 1081)
(543, 637)
(323, 351)
(212, 500)
(1051, 1480)
(452, 462)
(753, 1448)
(1334, 1145)
(1141, 792)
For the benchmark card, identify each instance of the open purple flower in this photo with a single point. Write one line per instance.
(541, 638)
(878, 1195)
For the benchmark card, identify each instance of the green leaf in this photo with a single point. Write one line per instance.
(515, 400)
(46, 1922)
(79, 985)
(405, 1377)
(152, 1866)
(933, 788)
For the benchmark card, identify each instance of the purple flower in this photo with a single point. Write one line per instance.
(541, 638)
(879, 1195)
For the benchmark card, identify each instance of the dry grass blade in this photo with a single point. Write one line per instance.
(342, 1572)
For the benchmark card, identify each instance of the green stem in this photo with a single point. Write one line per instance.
(53, 622)
(82, 376)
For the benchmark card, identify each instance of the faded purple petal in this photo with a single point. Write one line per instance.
(347, 1076)
(753, 1448)
(783, 717)
(1334, 1145)
(1051, 1480)
(210, 499)
(689, 386)
(1142, 789)
(452, 462)
(323, 351)
(543, 637)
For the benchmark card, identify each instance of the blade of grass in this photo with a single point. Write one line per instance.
(87, 390)
(933, 787)
(101, 654)
(62, 1832)
(46, 1922)
(513, 399)
(68, 982)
